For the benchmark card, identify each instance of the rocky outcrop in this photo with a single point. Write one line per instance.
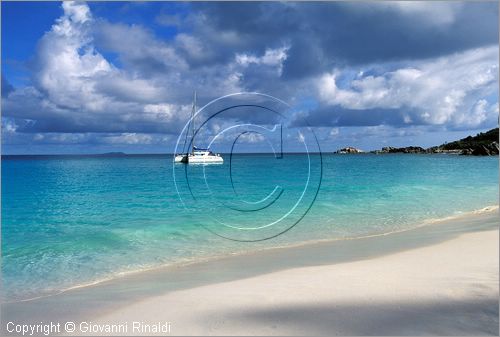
(408, 149)
(491, 149)
(482, 144)
(349, 149)
(483, 150)
(495, 147)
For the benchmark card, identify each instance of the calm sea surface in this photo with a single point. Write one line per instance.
(69, 221)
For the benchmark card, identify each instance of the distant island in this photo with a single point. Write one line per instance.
(482, 144)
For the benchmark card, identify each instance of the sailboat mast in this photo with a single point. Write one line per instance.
(193, 111)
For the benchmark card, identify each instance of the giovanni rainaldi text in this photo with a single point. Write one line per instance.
(50, 328)
(125, 327)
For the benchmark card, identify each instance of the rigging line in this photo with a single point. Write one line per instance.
(186, 138)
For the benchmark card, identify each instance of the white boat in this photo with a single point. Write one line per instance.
(197, 155)
(204, 156)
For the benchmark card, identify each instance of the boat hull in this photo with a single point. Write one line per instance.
(205, 160)
(181, 158)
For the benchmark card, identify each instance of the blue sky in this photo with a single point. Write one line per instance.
(119, 76)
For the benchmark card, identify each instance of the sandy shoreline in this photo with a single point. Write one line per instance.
(448, 288)
(435, 279)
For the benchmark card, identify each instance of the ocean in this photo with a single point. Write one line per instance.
(69, 221)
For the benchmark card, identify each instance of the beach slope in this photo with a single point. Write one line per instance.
(448, 288)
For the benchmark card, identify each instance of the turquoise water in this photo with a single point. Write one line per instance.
(68, 221)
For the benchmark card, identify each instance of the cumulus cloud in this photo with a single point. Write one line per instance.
(77, 90)
(445, 90)
(67, 65)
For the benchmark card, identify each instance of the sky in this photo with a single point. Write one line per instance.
(119, 76)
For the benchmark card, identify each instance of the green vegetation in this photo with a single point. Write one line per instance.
(481, 139)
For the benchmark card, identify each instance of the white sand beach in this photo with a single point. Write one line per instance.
(450, 288)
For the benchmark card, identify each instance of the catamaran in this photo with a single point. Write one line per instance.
(197, 155)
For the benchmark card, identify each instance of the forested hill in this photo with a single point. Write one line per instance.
(473, 142)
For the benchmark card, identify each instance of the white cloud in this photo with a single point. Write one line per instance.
(271, 57)
(67, 63)
(334, 132)
(76, 88)
(445, 90)
(76, 11)
(9, 126)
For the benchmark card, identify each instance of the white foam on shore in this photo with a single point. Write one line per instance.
(427, 222)
(486, 209)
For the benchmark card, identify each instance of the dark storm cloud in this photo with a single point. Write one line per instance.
(64, 124)
(326, 34)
